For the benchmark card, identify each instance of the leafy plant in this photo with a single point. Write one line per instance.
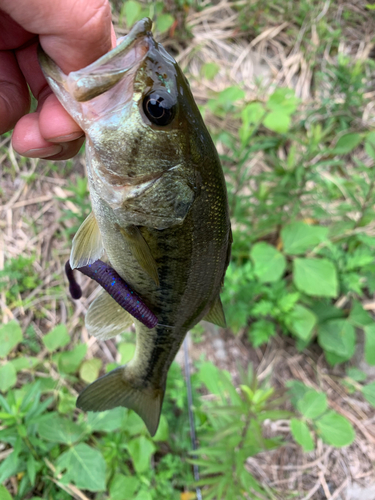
(231, 431)
(291, 261)
(98, 452)
(17, 277)
(333, 428)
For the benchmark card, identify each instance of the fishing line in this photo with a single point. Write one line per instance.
(191, 415)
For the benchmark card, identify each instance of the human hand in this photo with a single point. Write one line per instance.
(74, 33)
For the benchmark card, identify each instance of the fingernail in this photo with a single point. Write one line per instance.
(43, 152)
(66, 138)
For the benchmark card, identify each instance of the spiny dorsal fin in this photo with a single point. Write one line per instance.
(140, 250)
(216, 314)
(116, 389)
(105, 318)
(87, 244)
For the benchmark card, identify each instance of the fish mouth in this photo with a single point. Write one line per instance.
(103, 74)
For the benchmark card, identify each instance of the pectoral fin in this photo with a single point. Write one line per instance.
(105, 318)
(87, 244)
(140, 250)
(216, 314)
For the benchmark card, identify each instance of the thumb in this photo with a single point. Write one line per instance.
(74, 33)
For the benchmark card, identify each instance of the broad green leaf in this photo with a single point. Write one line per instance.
(338, 337)
(134, 424)
(143, 495)
(359, 316)
(335, 429)
(261, 331)
(252, 114)
(296, 391)
(56, 338)
(60, 430)
(126, 351)
(370, 343)
(4, 493)
(85, 467)
(107, 421)
(123, 487)
(368, 392)
(69, 362)
(347, 143)
(210, 70)
(8, 377)
(277, 121)
(299, 237)
(24, 362)
(316, 277)
(10, 336)
(132, 11)
(141, 449)
(356, 374)
(283, 99)
(302, 434)
(231, 95)
(162, 433)
(301, 321)
(269, 263)
(312, 404)
(333, 359)
(325, 311)
(67, 402)
(164, 22)
(89, 370)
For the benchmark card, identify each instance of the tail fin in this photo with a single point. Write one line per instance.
(114, 390)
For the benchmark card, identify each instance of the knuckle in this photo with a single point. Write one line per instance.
(97, 19)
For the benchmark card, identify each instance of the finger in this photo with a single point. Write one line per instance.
(55, 124)
(73, 32)
(14, 94)
(28, 141)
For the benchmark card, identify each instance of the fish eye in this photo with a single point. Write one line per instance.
(159, 107)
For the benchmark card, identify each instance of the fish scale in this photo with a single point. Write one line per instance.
(160, 210)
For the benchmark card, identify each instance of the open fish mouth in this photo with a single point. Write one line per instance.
(95, 79)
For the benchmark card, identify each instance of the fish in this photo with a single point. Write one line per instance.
(159, 210)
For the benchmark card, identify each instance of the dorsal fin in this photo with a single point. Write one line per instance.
(87, 244)
(105, 318)
(216, 314)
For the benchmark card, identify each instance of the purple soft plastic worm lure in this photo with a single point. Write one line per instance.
(117, 288)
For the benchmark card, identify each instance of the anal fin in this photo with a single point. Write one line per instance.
(216, 314)
(140, 250)
(115, 389)
(105, 318)
(87, 244)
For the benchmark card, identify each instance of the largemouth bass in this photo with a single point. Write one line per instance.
(159, 210)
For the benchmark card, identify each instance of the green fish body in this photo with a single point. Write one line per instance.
(159, 206)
